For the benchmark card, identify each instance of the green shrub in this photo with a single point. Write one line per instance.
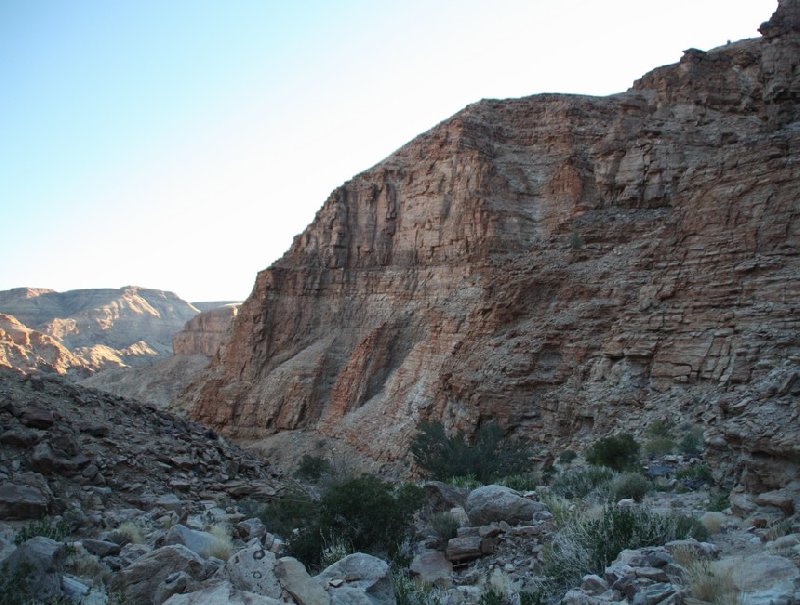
(618, 452)
(660, 428)
(490, 457)
(692, 442)
(719, 501)
(291, 510)
(492, 597)
(660, 446)
(630, 485)
(312, 468)
(55, 529)
(696, 473)
(445, 525)
(566, 457)
(521, 483)
(578, 483)
(365, 513)
(14, 587)
(468, 481)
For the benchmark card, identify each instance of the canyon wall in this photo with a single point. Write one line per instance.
(568, 266)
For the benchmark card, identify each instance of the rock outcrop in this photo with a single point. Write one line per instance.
(102, 328)
(565, 265)
(204, 334)
(26, 348)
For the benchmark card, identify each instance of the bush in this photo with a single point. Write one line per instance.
(660, 428)
(567, 456)
(589, 544)
(619, 452)
(695, 475)
(719, 502)
(630, 485)
(660, 446)
(692, 442)
(312, 468)
(521, 483)
(409, 592)
(492, 455)
(55, 529)
(578, 483)
(445, 525)
(365, 513)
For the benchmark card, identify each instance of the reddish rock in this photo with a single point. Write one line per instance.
(565, 265)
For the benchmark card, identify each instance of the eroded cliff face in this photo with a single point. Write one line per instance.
(565, 265)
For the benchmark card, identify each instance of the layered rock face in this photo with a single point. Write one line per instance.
(105, 327)
(204, 334)
(565, 265)
(23, 347)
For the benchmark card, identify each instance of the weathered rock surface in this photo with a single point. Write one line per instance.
(220, 594)
(63, 443)
(204, 334)
(141, 580)
(98, 328)
(39, 563)
(158, 383)
(358, 579)
(565, 265)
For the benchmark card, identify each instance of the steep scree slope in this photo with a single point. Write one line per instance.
(566, 265)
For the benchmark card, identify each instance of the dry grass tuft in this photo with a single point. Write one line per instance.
(223, 543)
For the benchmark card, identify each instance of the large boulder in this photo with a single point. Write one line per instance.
(358, 579)
(221, 594)
(140, 581)
(253, 569)
(432, 568)
(38, 563)
(494, 503)
(25, 499)
(765, 578)
(295, 580)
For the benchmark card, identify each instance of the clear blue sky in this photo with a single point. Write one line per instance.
(182, 144)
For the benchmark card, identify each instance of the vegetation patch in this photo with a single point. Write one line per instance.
(618, 452)
(490, 457)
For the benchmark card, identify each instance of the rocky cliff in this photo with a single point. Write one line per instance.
(104, 327)
(566, 265)
(205, 333)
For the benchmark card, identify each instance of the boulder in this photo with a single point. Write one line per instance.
(101, 548)
(37, 418)
(779, 498)
(443, 496)
(294, 578)
(24, 500)
(251, 528)
(39, 562)
(766, 578)
(140, 580)
(201, 542)
(491, 503)
(358, 579)
(253, 569)
(221, 594)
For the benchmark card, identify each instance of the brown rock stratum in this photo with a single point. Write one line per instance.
(566, 265)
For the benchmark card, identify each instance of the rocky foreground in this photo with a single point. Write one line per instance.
(568, 266)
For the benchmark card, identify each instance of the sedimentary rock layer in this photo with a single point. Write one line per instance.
(565, 265)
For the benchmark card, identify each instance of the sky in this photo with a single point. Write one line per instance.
(182, 144)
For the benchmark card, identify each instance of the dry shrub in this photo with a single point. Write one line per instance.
(713, 583)
(223, 543)
(130, 532)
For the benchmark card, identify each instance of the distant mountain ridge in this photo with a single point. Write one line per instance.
(100, 328)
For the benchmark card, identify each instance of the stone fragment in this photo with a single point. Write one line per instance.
(464, 549)
(37, 417)
(101, 548)
(251, 528)
(781, 498)
(140, 580)
(593, 584)
(432, 568)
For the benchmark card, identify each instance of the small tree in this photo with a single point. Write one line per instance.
(618, 452)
